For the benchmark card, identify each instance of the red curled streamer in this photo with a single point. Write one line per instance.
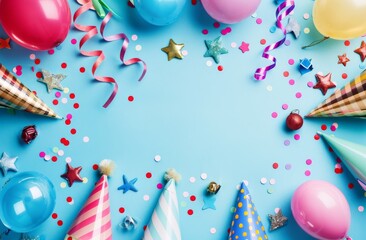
(260, 73)
(91, 31)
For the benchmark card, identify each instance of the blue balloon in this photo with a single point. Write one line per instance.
(159, 12)
(26, 201)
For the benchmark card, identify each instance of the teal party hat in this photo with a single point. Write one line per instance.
(164, 223)
(353, 155)
(246, 223)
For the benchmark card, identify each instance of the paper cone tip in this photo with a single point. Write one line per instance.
(106, 167)
(172, 174)
(320, 133)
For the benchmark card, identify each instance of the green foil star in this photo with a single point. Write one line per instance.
(53, 81)
(215, 49)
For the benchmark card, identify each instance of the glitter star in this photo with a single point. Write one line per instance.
(324, 83)
(72, 174)
(7, 163)
(128, 185)
(173, 50)
(343, 59)
(215, 49)
(244, 47)
(361, 51)
(294, 27)
(52, 81)
(277, 220)
(209, 202)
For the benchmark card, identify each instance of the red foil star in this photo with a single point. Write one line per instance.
(324, 83)
(72, 174)
(343, 59)
(362, 51)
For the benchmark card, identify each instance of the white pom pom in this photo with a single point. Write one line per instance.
(172, 174)
(106, 167)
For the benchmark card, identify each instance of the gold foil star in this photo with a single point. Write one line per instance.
(173, 50)
(52, 81)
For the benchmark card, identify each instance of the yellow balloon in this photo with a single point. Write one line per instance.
(340, 19)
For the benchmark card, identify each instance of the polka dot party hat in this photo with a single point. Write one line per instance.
(246, 223)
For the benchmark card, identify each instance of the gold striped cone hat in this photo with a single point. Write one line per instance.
(350, 101)
(14, 95)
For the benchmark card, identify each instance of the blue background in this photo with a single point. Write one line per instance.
(198, 119)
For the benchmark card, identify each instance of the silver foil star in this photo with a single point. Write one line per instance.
(53, 81)
(294, 27)
(277, 220)
(7, 163)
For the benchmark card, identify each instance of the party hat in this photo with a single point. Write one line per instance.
(353, 155)
(246, 223)
(164, 223)
(14, 95)
(94, 221)
(350, 101)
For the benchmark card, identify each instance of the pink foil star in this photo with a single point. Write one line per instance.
(244, 47)
(324, 83)
(343, 59)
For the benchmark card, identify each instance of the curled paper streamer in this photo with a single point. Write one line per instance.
(283, 10)
(91, 31)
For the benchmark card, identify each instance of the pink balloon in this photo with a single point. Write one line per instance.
(321, 210)
(36, 24)
(230, 11)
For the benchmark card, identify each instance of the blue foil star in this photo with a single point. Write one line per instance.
(305, 66)
(209, 202)
(7, 163)
(128, 185)
(215, 49)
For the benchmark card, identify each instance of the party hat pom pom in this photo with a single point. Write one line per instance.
(106, 167)
(172, 174)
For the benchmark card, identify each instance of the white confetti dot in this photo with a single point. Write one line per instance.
(32, 56)
(306, 30)
(233, 44)
(60, 153)
(361, 208)
(85, 180)
(246, 182)
(276, 210)
(254, 15)
(184, 52)
(204, 176)
(269, 88)
(63, 185)
(64, 100)
(192, 179)
(72, 202)
(306, 16)
(213, 230)
(47, 157)
(68, 159)
(55, 149)
(134, 37)
(263, 180)
(86, 139)
(185, 194)
(66, 90)
(272, 181)
(146, 197)
(138, 47)
(157, 158)
(14, 70)
(209, 63)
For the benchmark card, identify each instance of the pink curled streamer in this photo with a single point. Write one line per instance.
(91, 31)
(283, 10)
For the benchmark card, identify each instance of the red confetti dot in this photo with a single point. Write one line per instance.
(350, 185)
(39, 75)
(316, 137)
(67, 121)
(338, 160)
(69, 238)
(286, 73)
(330, 149)
(72, 95)
(205, 31)
(66, 143)
(346, 43)
(190, 212)
(263, 41)
(130, 98)
(37, 61)
(95, 167)
(60, 223)
(82, 69)
(145, 227)
(121, 210)
(54, 159)
(54, 215)
(216, 24)
(76, 105)
(148, 175)
(64, 65)
(324, 127)
(338, 170)
(55, 102)
(73, 131)
(69, 199)
(275, 165)
(193, 198)
(194, 2)
(220, 68)
(344, 76)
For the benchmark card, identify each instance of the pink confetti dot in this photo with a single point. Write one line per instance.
(159, 186)
(288, 166)
(287, 42)
(297, 137)
(284, 106)
(361, 208)
(274, 115)
(57, 94)
(18, 67)
(73, 41)
(216, 24)
(291, 61)
(286, 142)
(42, 154)
(333, 128)
(205, 31)
(291, 82)
(310, 84)
(307, 173)
(258, 20)
(308, 161)
(50, 52)
(298, 95)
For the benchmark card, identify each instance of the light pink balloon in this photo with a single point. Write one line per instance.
(321, 210)
(230, 11)
(36, 24)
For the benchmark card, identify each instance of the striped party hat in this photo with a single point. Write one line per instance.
(14, 95)
(94, 220)
(246, 223)
(164, 223)
(350, 101)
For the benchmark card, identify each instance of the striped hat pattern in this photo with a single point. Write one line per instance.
(14, 95)
(94, 221)
(350, 101)
(164, 223)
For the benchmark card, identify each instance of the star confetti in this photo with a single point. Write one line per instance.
(244, 47)
(343, 59)
(8, 163)
(53, 81)
(72, 174)
(215, 49)
(294, 27)
(128, 185)
(361, 51)
(173, 50)
(209, 202)
(5, 43)
(277, 220)
(324, 83)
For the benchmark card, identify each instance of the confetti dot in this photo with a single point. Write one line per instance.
(64, 100)
(361, 208)
(157, 158)
(323, 127)
(209, 63)
(148, 175)
(159, 186)
(95, 167)
(291, 82)
(68, 160)
(273, 29)
(60, 153)
(274, 115)
(306, 30)
(138, 47)
(288, 166)
(270, 190)
(47, 157)
(263, 181)
(60, 223)
(184, 52)
(287, 42)
(73, 41)
(85, 139)
(51, 51)
(85, 180)
(82, 69)
(42, 154)
(258, 20)
(185, 194)
(146, 197)
(297, 137)
(308, 161)
(37, 61)
(216, 24)
(262, 41)
(286, 142)
(344, 75)
(284, 106)
(205, 31)
(291, 61)
(55, 102)
(63, 185)
(346, 43)
(275, 165)
(286, 73)
(272, 181)
(121, 210)
(134, 37)
(32, 56)
(192, 179)
(310, 84)
(220, 68)
(66, 90)
(69, 199)
(204, 176)
(64, 65)
(351, 185)
(76, 105)
(307, 173)
(269, 88)
(316, 137)
(298, 95)
(54, 215)
(190, 212)
(192, 198)
(306, 16)
(212, 230)
(130, 98)
(57, 94)
(233, 45)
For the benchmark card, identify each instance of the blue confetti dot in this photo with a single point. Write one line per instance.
(59, 47)
(362, 65)
(273, 29)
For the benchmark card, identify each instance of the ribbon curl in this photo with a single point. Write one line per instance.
(282, 11)
(91, 31)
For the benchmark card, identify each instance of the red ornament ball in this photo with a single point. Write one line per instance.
(294, 121)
